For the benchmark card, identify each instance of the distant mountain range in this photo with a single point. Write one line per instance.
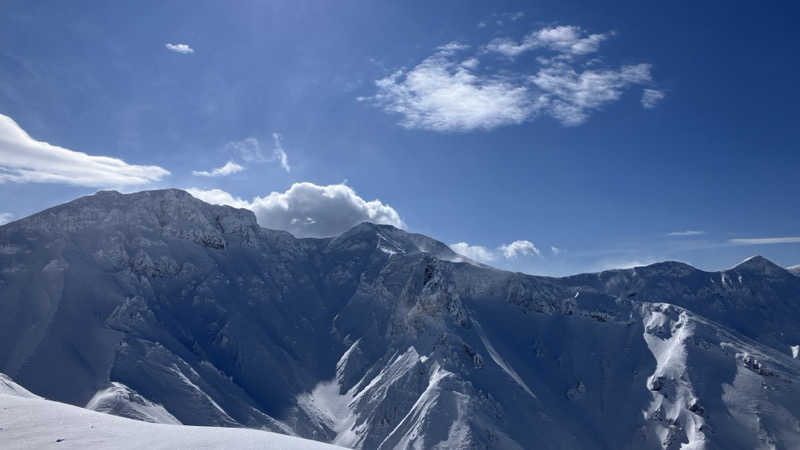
(159, 307)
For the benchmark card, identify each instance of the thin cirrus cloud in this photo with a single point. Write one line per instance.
(651, 98)
(229, 168)
(24, 159)
(623, 264)
(251, 151)
(486, 255)
(309, 210)
(450, 92)
(765, 241)
(183, 49)
(279, 153)
(686, 233)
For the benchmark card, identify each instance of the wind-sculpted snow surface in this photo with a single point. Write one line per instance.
(160, 307)
(27, 421)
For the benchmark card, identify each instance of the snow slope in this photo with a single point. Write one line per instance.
(121, 400)
(27, 421)
(160, 307)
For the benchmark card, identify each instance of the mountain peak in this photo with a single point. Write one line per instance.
(172, 210)
(394, 241)
(671, 267)
(759, 264)
(795, 269)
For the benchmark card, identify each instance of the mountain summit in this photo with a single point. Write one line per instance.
(761, 266)
(160, 307)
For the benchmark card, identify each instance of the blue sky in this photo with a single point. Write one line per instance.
(593, 136)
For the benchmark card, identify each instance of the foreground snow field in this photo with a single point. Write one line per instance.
(31, 422)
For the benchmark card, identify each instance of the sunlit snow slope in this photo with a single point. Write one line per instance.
(28, 421)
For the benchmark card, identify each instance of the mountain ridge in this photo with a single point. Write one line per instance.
(380, 338)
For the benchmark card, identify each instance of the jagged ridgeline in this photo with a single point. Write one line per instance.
(160, 307)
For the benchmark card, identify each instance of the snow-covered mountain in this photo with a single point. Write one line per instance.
(794, 269)
(160, 307)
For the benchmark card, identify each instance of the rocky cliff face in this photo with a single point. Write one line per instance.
(158, 306)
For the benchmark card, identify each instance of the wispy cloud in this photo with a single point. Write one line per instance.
(765, 241)
(251, 151)
(571, 96)
(183, 49)
(453, 91)
(5, 218)
(624, 264)
(26, 160)
(279, 153)
(475, 252)
(502, 19)
(686, 233)
(555, 250)
(229, 168)
(248, 149)
(309, 210)
(518, 248)
(651, 98)
(567, 40)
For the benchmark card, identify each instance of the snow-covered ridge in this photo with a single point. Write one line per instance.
(120, 400)
(160, 307)
(173, 211)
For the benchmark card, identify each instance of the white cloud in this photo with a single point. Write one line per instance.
(5, 218)
(567, 40)
(474, 252)
(570, 96)
(686, 233)
(451, 92)
(183, 49)
(250, 150)
(26, 160)
(279, 153)
(518, 248)
(486, 255)
(470, 63)
(229, 168)
(309, 210)
(624, 264)
(764, 241)
(219, 197)
(481, 24)
(651, 98)
(556, 251)
(443, 94)
(452, 46)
